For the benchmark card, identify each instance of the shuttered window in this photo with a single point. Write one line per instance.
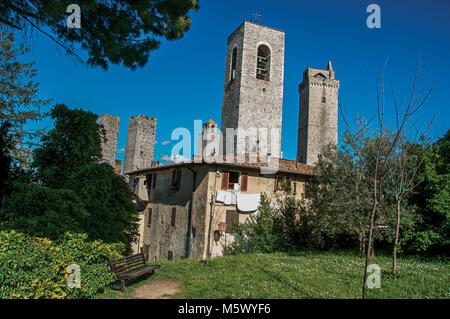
(148, 181)
(176, 179)
(225, 175)
(174, 216)
(154, 181)
(244, 182)
(232, 221)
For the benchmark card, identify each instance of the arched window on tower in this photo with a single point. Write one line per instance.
(233, 64)
(263, 63)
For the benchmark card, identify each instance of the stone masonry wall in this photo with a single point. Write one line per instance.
(109, 147)
(249, 102)
(140, 143)
(318, 120)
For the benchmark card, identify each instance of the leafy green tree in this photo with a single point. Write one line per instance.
(5, 159)
(112, 32)
(74, 142)
(19, 103)
(109, 201)
(432, 234)
(339, 198)
(41, 211)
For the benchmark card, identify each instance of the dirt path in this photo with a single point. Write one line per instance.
(159, 289)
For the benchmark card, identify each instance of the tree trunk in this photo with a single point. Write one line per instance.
(372, 250)
(360, 245)
(397, 232)
(372, 222)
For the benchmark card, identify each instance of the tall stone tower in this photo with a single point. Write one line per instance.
(253, 89)
(208, 140)
(140, 143)
(318, 118)
(109, 148)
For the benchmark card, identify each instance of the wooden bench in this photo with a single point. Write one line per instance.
(130, 267)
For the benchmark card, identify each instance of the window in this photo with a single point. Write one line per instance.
(231, 179)
(148, 181)
(263, 63)
(154, 180)
(134, 183)
(174, 216)
(281, 182)
(176, 179)
(233, 64)
(232, 221)
(149, 217)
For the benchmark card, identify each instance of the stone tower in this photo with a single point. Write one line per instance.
(318, 118)
(253, 89)
(208, 142)
(109, 148)
(140, 143)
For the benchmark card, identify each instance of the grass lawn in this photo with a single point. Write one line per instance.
(303, 275)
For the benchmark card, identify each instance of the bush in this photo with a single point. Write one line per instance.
(33, 267)
(41, 211)
(277, 227)
(108, 199)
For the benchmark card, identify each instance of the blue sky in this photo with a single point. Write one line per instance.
(183, 80)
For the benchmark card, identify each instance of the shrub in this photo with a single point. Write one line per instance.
(41, 211)
(108, 199)
(33, 267)
(283, 225)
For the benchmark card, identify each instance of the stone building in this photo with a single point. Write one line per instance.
(109, 147)
(253, 90)
(209, 140)
(189, 208)
(318, 116)
(185, 215)
(140, 143)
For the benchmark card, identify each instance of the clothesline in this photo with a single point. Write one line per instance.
(243, 202)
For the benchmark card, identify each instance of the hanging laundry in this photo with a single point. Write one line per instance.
(220, 197)
(233, 199)
(227, 200)
(248, 202)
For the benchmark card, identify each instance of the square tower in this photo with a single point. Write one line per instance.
(318, 115)
(140, 143)
(253, 88)
(109, 147)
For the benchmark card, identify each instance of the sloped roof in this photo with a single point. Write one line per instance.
(283, 166)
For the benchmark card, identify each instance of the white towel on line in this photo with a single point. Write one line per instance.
(228, 197)
(248, 202)
(220, 197)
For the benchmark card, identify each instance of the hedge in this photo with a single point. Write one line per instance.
(34, 267)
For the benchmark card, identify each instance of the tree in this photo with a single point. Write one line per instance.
(5, 159)
(339, 197)
(432, 233)
(109, 201)
(112, 32)
(402, 179)
(41, 211)
(74, 142)
(18, 97)
(376, 167)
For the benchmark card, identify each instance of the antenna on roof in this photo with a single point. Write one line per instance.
(256, 17)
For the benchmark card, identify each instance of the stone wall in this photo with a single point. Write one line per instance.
(318, 118)
(140, 143)
(249, 102)
(109, 147)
